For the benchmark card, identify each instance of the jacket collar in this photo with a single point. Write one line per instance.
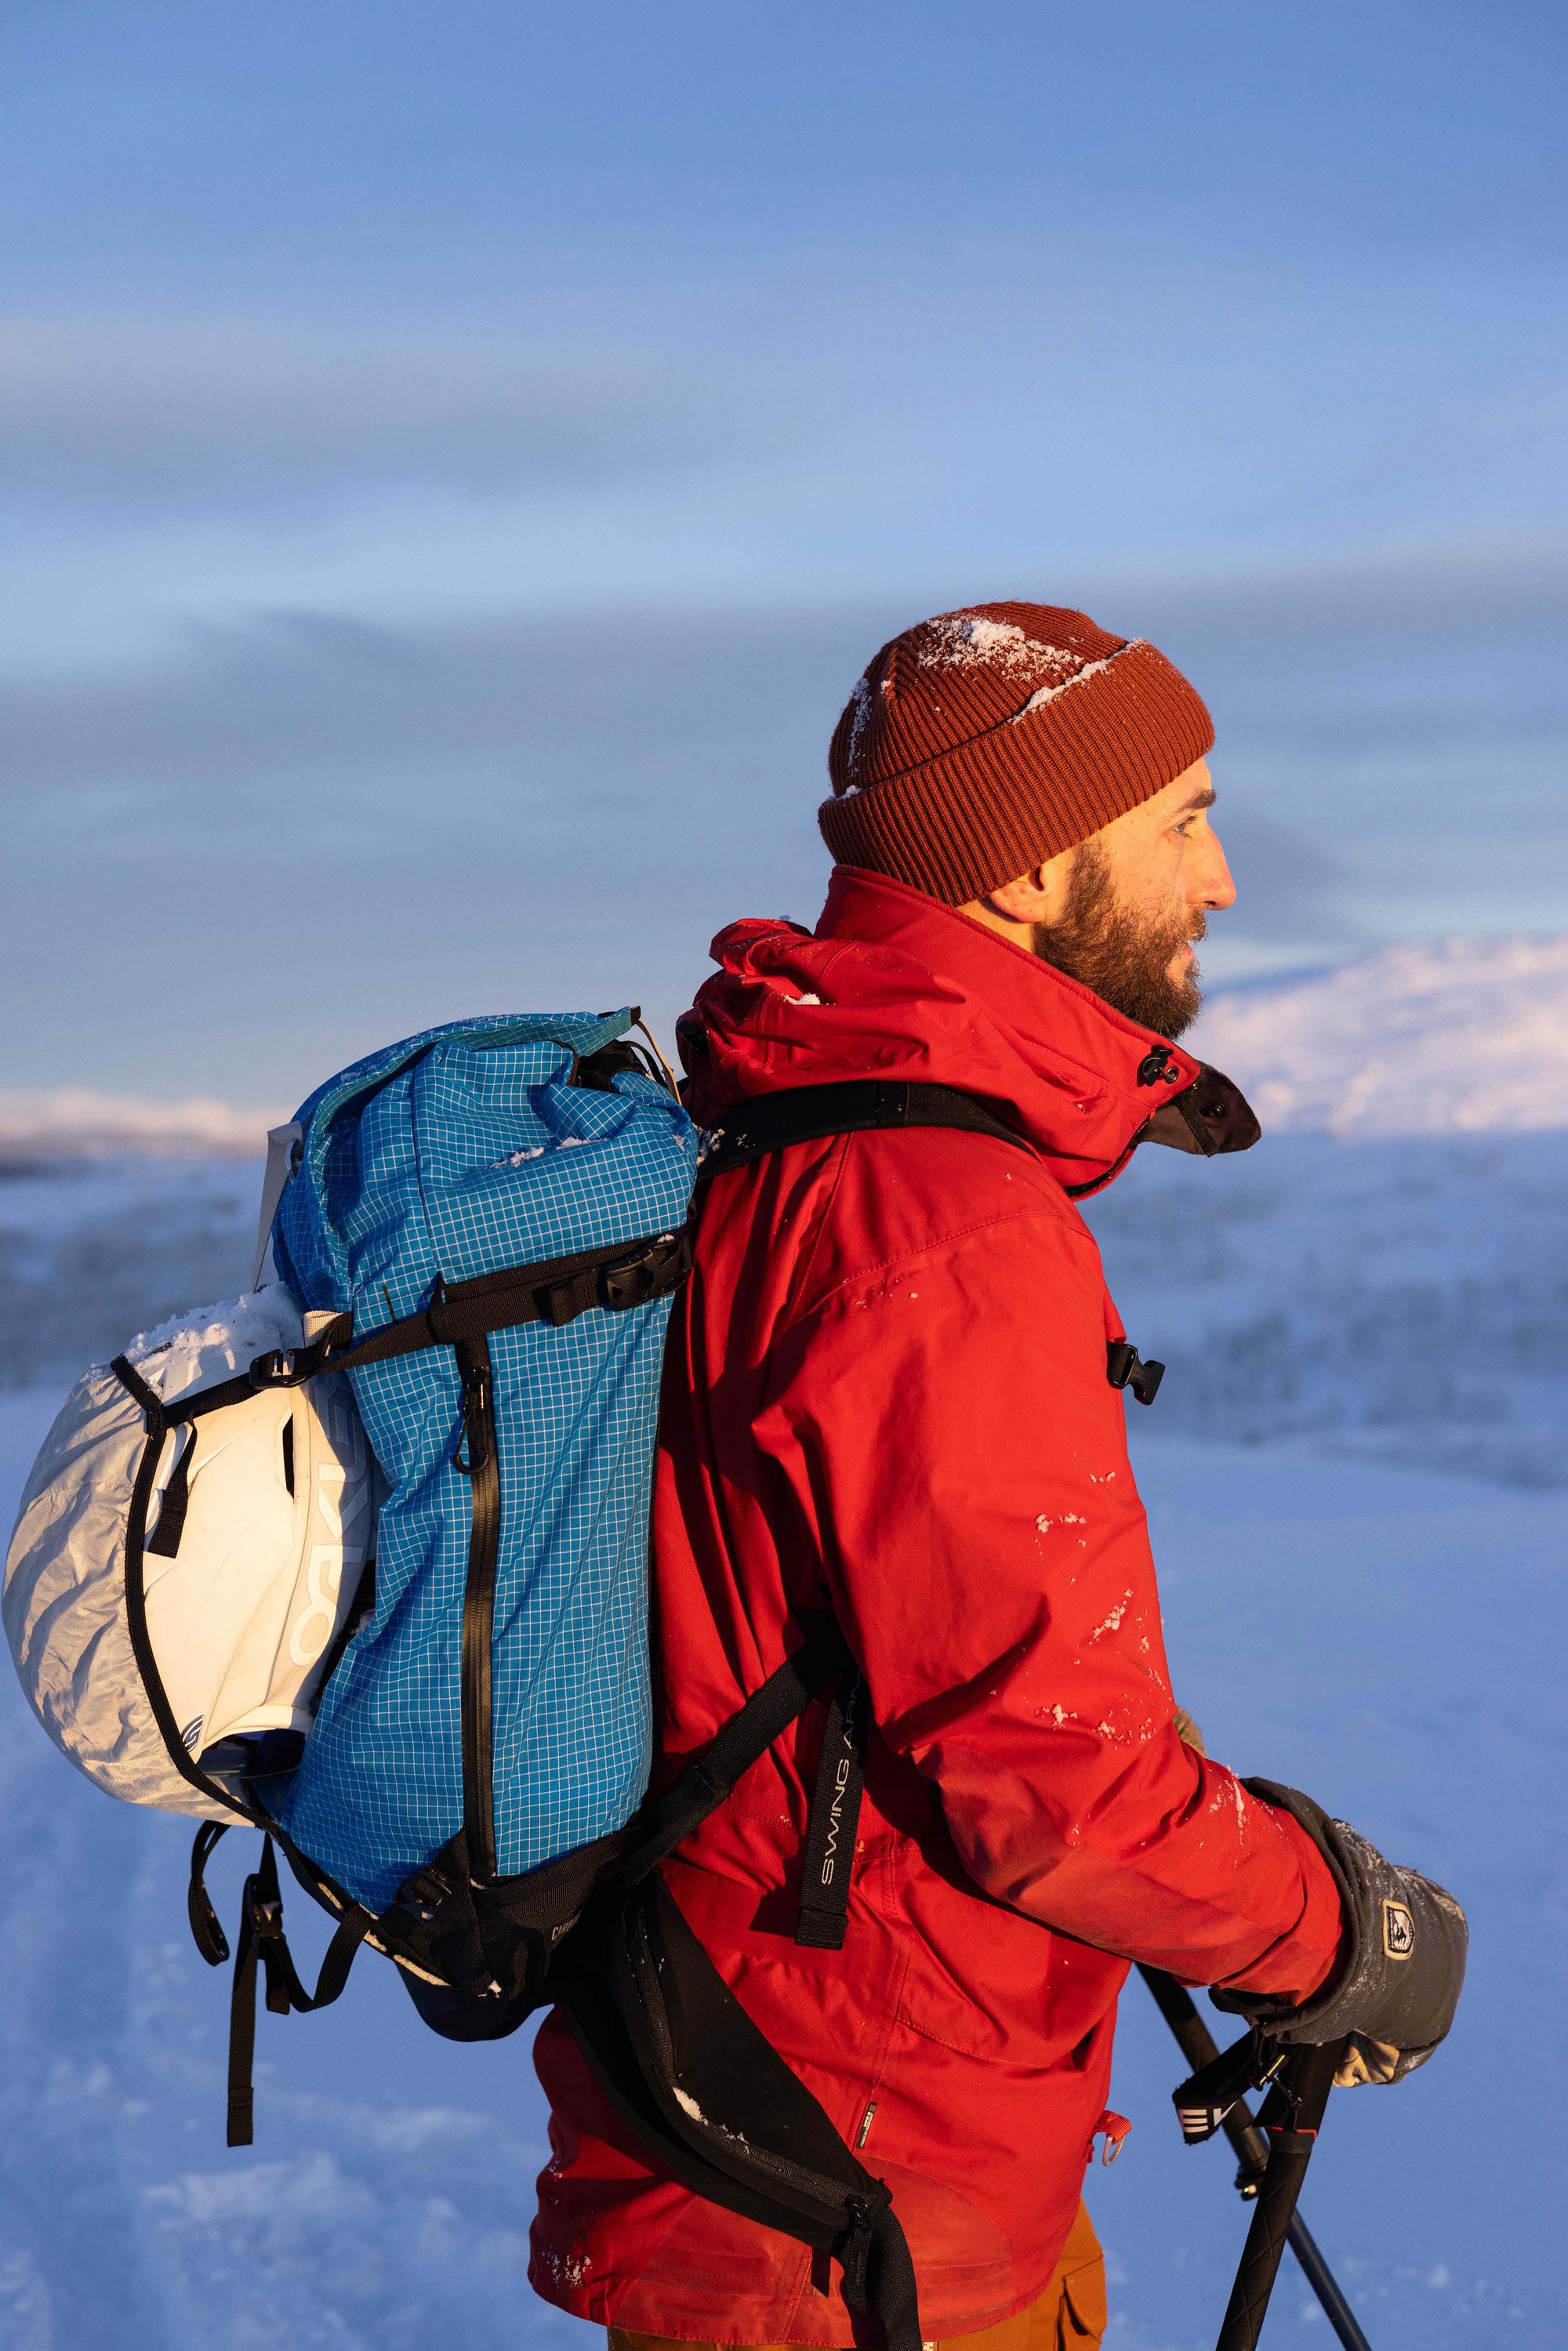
(892, 984)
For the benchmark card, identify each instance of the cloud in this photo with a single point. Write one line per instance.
(147, 410)
(234, 869)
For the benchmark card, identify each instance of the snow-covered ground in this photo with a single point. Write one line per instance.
(1387, 1272)
(95, 1249)
(76, 1124)
(1391, 1641)
(1349, 1473)
(1431, 1037)
(1403, 1299)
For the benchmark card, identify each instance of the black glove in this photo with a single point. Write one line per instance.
(1395, 1993)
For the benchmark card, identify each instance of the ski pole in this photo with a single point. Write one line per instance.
(1196, 2044)
(1292, 2113)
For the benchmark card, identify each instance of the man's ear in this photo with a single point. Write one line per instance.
(1038, 896)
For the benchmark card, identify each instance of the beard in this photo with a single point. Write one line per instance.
(1125, 956)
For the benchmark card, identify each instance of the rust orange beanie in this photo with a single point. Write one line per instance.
(981, 742)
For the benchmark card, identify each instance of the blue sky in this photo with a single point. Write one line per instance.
(455, 463)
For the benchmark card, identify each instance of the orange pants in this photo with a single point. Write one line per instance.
(1068, 2316)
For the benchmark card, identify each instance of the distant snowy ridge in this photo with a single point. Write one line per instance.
(74, 1125)
(1431, 1037)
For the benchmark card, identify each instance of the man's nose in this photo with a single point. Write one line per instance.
(1213, 884)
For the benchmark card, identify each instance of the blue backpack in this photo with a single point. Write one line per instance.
(500, 1687)
(484, 1227)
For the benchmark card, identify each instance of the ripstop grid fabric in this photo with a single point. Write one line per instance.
(469, 1154)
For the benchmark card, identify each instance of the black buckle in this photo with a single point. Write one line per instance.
(1125, 1368)
(423, 1895)
(290, 1367)
(652, 1273)
(265, 1916)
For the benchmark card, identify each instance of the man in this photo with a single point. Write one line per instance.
(886, 1389)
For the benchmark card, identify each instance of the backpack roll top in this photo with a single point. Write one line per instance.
(501, 1688)
(178, 1577)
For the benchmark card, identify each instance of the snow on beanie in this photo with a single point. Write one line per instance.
(982, 743)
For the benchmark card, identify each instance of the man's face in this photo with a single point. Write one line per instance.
(1136, 899)
(1120, 912)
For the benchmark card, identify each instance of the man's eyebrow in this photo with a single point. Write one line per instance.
(1204, 797)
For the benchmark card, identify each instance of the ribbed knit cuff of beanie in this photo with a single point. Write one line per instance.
(982, 743)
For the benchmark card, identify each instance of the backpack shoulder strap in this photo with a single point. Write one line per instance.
(851, 1106)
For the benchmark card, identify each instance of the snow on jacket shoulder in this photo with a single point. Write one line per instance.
(886, 1389)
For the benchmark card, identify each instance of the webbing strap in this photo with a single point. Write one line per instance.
(557, 1290)
(834, 1818)
(166, 1537)
(160, 1416)
(854, 1106)
(157, 1423)
(705, 1781)
(206, 1928)
(262, 1942)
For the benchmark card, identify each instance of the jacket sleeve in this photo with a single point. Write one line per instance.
(960, 1456)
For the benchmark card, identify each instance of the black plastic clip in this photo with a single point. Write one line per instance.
(472, 1446)
(1159, 1066)
(290, 1367)
(652, 1273)
(1125, 1368)
(422, 1895)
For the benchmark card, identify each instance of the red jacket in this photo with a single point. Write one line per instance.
(886, 1386)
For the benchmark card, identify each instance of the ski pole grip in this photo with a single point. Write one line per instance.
(1292, 2115)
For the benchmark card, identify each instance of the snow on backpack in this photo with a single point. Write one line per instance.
(477, 1235)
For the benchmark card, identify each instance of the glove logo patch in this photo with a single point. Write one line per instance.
(1399, 1931)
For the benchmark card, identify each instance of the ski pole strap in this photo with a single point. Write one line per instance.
(1291, 2115)
(1203, 2101)
(834, 1819)
(262, 1940)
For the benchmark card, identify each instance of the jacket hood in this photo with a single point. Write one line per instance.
(892, 983)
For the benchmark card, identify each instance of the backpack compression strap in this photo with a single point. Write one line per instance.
(556, 1290)
(461, 1316)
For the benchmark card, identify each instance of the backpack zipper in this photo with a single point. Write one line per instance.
(479, 1461)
